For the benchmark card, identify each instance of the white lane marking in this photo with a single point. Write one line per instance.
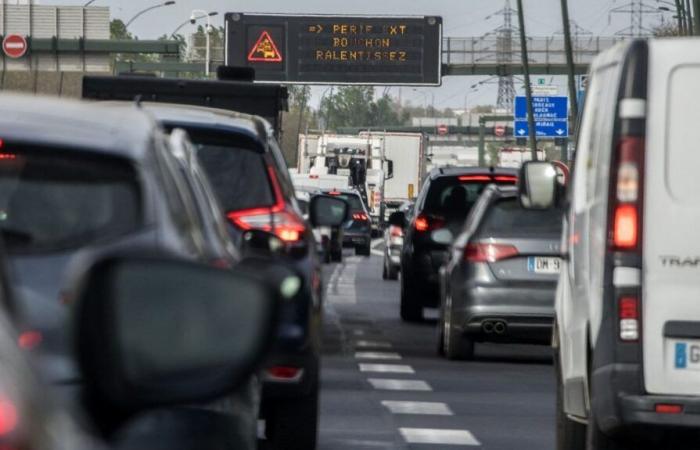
(438, 437)
(386, 368)
(373, 344)
(399, 385)
(377, 252)
(377, 355)
(340, 288)
(358, 332)
(377, 241)
(427, 408)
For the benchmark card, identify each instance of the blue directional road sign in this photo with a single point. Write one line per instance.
(552, 128)
(551, 116)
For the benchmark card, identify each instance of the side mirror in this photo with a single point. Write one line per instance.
(538, 187)
(259, 242)
(328, 211)
(154, 331)
(398, 219)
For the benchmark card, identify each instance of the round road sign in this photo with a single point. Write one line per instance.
(14, 45)
(442, 130)
(499, 130)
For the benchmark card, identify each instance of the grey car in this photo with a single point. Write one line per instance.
(393, 244)
(500, 280)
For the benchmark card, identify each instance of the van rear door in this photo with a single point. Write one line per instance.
(671, 237)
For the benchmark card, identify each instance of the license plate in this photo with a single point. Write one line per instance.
(544, 265)
(687, 355)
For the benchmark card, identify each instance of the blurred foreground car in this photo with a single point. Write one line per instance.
(393, 244)
(91, 180)
(500, 280)
(445, 200)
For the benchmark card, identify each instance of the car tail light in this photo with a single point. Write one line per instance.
(7, 156)
(395, 231)
(218, 263)
(29, 340)
(628, 316)
(490, 178)
(360, 216)
(284, 373)
(626, 218)
(287, 225)
(9, 418)
(485, 252)
(426, 222)
(334, 193)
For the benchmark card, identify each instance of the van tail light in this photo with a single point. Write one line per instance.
(626, 220)
(362, 217)
(287, 225)
(426, 222)
(668, 408)
(628, 317)
(485, 252)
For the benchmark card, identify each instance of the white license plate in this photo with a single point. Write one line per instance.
(687, 355)
(544, 265)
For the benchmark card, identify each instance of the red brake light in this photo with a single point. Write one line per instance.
(7, 156)
(626, 220)
(29, 340)
(395, 231)
(284, 372)
(360, 216)
(475, 178)
(625, 226)
(334, 193)
(506, 178)
(427, 222)
(8, 416)
(287, 225)
(628, 316)
(484, 252)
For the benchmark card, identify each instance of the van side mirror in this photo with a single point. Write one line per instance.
(398, 219)
(389, 169)
(328, 211)
(153, 331)
(538, 187)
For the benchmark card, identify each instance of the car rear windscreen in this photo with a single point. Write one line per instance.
(55, 200)
(452, 197)
(353, 200)
(236, 171)
(506, 217)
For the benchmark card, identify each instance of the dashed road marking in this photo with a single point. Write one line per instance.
(438, 437)
(377, 355)
(358, 332)
(425, 408)
(399, 385)
(373, 344)
(386, 368)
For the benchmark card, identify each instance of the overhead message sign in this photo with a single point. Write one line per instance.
(336, 49)
(551, 116)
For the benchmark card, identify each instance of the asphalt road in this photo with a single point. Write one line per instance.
(384, 387)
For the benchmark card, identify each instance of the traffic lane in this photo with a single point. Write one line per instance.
(503, 400)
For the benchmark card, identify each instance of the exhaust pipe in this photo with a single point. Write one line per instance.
(499, 327)
(488, 327)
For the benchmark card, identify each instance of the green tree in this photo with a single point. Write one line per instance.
(354, 106)
(296, 121)
(118, 31)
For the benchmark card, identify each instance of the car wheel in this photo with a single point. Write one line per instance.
(571, 435)
(392, 272)
(440, 339)
(411, 310)
(455, 346)
(365, 250)
(385, 271)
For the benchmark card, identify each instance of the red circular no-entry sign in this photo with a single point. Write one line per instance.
(14, 45)
(442, 130)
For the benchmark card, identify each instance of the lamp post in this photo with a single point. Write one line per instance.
(89, 3)
(193, 19)
(528, 88)
(150, 8)
(172, 35)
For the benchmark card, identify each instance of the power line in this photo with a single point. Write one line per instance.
(637, 10)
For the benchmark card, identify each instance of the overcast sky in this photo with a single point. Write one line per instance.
(461, 18)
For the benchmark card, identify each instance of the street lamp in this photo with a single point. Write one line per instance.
(151, 8)
(89, 3)
(172, 35)
(193, 20)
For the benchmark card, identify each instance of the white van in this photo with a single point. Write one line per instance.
(627, 330)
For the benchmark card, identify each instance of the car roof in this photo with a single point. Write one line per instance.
(124, 131)
(343, 191)
(200, 116)
(454, 171)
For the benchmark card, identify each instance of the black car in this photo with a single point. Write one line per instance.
(357, 232)
(501, 277)
(92, 180)
(447, 196)
(249, 176)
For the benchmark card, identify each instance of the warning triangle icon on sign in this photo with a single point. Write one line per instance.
(265, 50)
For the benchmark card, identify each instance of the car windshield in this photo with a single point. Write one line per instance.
(506, 217)
(237, 173)
(53, 200)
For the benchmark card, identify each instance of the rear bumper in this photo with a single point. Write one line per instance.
(621, 406)
(527, 312)
(355, 239)
(306, 360)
